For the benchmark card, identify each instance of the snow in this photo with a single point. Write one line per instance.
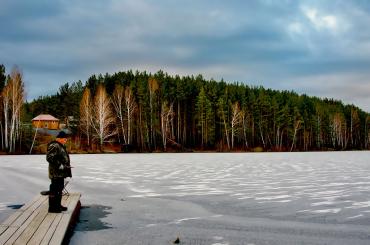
(322, 211)
(264, 198)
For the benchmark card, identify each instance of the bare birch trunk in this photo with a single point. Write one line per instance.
(130, 107)
(118, 103)
(226, 129)
(235, 121)
(296, 127)
(6, 103)
(166, 119)
(13, 98)
(103, 118)
(244, 122)
(86, 114)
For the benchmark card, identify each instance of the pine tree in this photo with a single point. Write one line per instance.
(153, 87)
(204, 112)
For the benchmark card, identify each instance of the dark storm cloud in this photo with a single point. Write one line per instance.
(288, 44)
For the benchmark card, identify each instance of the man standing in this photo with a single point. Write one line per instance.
(59, 169)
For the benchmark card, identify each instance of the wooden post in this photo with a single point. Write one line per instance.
(37, 127)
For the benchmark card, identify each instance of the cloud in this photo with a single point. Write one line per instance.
(319, 21)
(352, 88)
(278, 44)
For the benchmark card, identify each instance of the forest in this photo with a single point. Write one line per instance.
(145, 112)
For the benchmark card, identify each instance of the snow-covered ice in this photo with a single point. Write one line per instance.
(243, 198)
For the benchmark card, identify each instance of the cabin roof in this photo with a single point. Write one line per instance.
(45, 117)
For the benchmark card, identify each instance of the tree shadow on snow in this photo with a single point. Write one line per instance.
(90, 218)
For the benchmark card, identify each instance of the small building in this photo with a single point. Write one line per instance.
(46, 121)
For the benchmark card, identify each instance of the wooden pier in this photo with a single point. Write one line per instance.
(32, 224)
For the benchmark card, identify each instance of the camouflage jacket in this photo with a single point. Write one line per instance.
(58, 158)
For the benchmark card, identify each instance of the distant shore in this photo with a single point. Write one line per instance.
(174, 152)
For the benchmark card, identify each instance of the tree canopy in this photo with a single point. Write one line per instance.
(211, 115)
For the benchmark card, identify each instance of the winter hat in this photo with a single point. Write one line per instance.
(62, 134)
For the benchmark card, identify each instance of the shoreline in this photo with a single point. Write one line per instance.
(183, 152)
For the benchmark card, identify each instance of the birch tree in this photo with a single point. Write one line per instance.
(86, 114)
(236, 120)
(13, 99)
(130, 107)
(167, 115)
(222, 112)
(103, 118)
(244, 120)
(2, 84)
(118, 103)
(17, 103)
(297, 125)
(263, 114)
(5, 95)
(338, 130)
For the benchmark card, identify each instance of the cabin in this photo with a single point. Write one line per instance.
(46, 121)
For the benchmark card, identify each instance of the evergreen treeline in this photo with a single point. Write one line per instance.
(155, 111)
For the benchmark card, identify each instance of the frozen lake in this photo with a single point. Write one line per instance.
(208, 198)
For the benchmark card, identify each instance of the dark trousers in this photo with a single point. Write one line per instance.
(55, 194)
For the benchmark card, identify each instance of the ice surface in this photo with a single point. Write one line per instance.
(243, 198)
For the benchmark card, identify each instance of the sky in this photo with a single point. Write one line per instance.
(320, 48)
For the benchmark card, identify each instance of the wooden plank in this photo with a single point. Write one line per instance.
(32, 205)
(30, 208)
(42, 230)
(27, 213)
(18, 226)
(49, 234)
(51, 220)
(19, 230)
(7, 234)
(32, 227)
(10, 235)
(63, 225)
(12, 218)
(3, 228)
(29, 204)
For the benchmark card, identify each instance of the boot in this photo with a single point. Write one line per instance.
(59, 203)
(53, 205)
